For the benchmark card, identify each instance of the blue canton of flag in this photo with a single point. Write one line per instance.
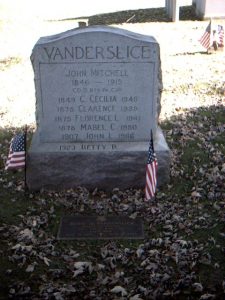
(151, 173)
(16, 157)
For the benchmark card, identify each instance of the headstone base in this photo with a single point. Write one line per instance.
(102, 165)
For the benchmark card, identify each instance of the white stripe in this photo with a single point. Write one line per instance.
(152, 185)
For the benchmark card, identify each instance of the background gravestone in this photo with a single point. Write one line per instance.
(98, 95)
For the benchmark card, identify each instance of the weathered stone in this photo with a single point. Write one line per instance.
(98, 99)
(100, 227)
(121, 165)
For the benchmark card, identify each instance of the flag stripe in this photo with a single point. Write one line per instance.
(151, 179)
(205, 39)
(17, 155)
(221, 34)
(151, 170)
(15, 163)
(15, 166)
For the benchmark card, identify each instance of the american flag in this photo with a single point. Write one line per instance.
(151, 170)
(205, 40)
(16, 158)
(221, 35)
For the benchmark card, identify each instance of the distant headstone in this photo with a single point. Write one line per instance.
(98, 95)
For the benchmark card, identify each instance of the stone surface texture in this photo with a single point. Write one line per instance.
(124, 168)
(98, 93)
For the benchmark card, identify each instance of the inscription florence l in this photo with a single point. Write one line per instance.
(97, 100)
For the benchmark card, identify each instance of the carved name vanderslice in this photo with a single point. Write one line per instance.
(100, 227)
(97, 52)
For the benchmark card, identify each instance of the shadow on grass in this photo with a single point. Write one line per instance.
(139, 16)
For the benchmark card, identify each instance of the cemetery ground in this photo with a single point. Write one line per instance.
(182, 255)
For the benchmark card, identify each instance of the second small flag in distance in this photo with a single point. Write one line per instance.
(213, 36)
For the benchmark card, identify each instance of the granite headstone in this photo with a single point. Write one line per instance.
(98, 95)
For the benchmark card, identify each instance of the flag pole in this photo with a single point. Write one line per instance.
(25, 167)
(152, 141)
(210, 36)
(153, 152)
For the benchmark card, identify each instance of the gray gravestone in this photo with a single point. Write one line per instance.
(98, 95)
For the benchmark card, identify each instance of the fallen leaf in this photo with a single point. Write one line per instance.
(119, 289)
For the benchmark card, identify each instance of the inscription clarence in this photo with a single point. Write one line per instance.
(110, 52)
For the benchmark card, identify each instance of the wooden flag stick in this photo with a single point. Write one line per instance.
(152, 141)
(25, 168)
(154, 153)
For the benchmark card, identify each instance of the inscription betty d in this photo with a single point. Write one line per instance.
(88, 147)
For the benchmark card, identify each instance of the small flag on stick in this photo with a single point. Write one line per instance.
(17, 154)
(151, 172)
(221, 35)
(205, 40)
